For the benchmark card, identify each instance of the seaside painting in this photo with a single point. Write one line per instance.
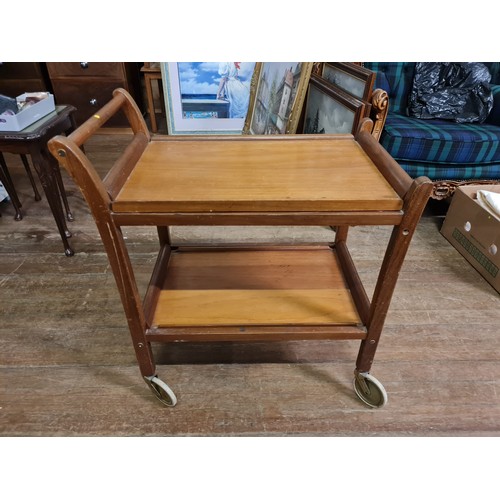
(206, 97)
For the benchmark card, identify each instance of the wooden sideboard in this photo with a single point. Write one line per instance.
(19, 77)
(89, 85)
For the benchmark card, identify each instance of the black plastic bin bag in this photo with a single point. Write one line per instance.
(451, 91)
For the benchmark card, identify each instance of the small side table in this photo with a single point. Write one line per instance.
(33, 141)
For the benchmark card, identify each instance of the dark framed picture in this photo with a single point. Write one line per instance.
(206, 97)
(351, 78)
(277, 94)
(330, 110)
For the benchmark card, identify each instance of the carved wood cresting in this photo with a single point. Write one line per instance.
(380, 108)
(445, 189)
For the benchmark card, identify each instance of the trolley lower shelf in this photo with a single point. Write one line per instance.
(251, 294)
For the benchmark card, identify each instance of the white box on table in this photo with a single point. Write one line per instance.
(23, 119)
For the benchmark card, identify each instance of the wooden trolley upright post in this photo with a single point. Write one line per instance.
(202, 294)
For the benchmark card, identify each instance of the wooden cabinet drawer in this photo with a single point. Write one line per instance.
(82, 69)
(17, 78)
(18, 71)
(13, 88)
(88, 97)
(88, 86)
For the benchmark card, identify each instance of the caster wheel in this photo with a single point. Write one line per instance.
(161, 390)
(369, 390)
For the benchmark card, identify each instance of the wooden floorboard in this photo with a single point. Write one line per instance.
(67, 367)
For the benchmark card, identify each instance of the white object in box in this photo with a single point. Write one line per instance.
(23, 119)
(475, 232)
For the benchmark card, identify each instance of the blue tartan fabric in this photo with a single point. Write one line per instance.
(439, 149)
(397, 80)
(439, 172)
(441, 141)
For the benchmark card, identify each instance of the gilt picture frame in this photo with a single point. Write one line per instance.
(206, 97)
(277, 95)
(330, 110)
(350, 77)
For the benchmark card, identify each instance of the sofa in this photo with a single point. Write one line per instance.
(449, 153)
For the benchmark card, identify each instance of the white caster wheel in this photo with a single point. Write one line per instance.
(369, 390)
(161, 390)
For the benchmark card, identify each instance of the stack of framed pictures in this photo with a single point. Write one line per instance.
(265, 97)
(338, 97)
(349, 77)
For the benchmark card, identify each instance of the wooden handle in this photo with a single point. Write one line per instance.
(389, 168)
(121, 99)
(96, 121)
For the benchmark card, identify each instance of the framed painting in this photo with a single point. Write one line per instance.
(329, 110)
(277, 94)
(206, 97)
(351, 78)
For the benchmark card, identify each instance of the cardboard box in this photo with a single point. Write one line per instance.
(475, 232)
(23, 119)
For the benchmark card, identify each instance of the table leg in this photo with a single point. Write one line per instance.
(62, 190)
(45, 166)
(62, 194)
(6, 180)
(30, 176)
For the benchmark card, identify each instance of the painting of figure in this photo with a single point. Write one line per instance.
(206, 97)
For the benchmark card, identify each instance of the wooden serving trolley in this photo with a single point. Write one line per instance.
(256, 293)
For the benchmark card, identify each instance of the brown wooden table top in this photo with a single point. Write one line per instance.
(255, 174)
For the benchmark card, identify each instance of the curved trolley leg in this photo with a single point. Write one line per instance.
(161, 390)
(69, 154)
(414, 203)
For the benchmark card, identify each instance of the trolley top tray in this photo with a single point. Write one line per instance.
(255, 174)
